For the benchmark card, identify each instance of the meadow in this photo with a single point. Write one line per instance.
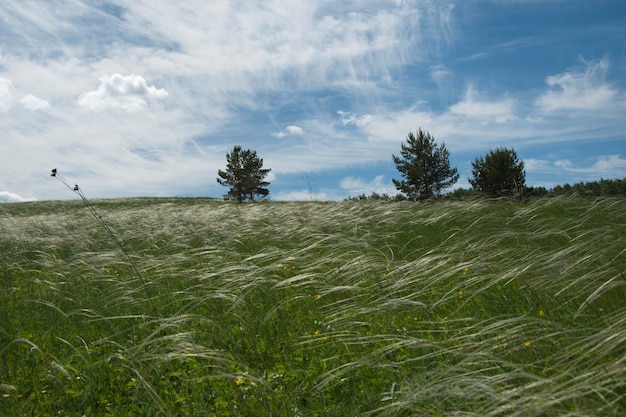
(368, 308)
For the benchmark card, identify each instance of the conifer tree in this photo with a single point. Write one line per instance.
(425, 167)
(500, 173)
(244, 175)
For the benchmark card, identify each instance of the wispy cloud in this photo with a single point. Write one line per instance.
(347, 118)
(606, 166)
(6, 94)
(484, 111)
(355, 186)
(588, 169)
(312, 86)
(580, 88)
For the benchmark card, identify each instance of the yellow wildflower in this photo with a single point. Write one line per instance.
(318, 296)
(465, 270)
(541, 313)
(316, 332)
(526, 344)
(239, 381)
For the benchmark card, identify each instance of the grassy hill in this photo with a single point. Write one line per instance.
(474, 308)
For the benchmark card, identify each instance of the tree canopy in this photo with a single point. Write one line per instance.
(500, 173)
(244, 175)
(425, 167)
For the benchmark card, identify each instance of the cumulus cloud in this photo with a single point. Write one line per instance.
(30, 102)
(6, 94)
(130, 93)
(292, 130)
(578, 89)
(8, 197)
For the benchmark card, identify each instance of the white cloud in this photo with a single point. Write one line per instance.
(8, 197)
(357, 186)
(6, 94)
(606, 166)
(554, 172)
(223, 68)
(473, 107)
(347, 118)
(579, 89)
(30, 102)
(305, 195)
(565, 164)
(130, 93)
(440, 74)
(292, 130)
(539, 166)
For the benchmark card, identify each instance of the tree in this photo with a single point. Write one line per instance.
(499, 173)
(244, 175)
(425, 167)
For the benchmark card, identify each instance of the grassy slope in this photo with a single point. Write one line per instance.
(382, 308)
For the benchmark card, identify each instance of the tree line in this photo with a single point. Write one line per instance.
(425, 171)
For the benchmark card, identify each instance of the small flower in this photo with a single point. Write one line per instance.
(541, 313)
(312, 279)
(465, 270)
(318, 296)
(384, 275)
(239, 381)
(460, 293)
(239, 235)
(316, 332)
(527, 344)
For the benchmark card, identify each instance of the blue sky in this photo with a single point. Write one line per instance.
(145, 98)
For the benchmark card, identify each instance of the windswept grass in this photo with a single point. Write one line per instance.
(471, 308)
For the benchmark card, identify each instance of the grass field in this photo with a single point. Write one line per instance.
(470, 308)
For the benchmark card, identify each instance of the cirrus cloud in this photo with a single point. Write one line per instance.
(6, 94)
(578, 89)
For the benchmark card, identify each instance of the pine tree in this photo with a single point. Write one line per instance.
(244, 175)
(425, 167)
(499, 173)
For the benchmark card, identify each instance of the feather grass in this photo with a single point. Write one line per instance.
(474, 308)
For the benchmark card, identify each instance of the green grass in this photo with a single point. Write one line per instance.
(472, 308)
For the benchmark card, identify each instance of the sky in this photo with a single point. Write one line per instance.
(145, 98)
